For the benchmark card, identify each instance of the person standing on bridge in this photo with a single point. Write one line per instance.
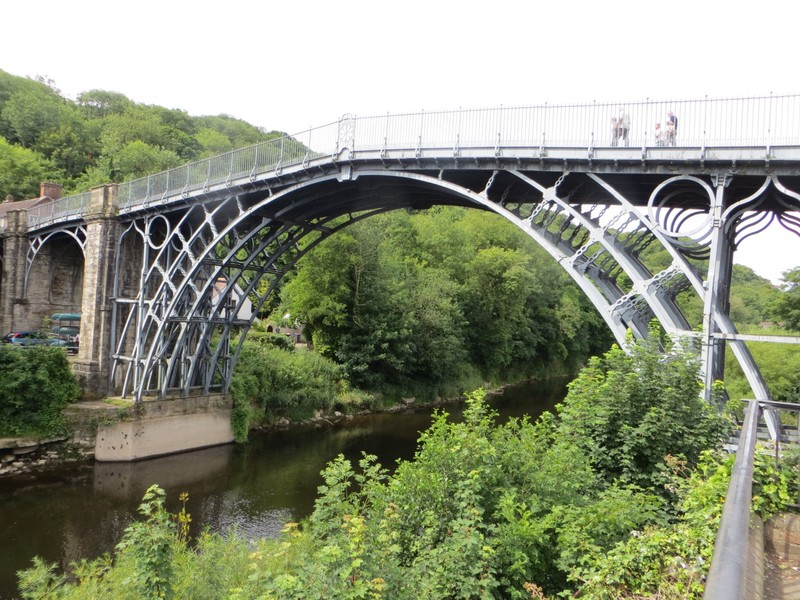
(661, 138)
(624, 122)
(614, 131)
(672, 128)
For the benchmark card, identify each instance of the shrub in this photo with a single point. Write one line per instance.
(35, 386)
(628, 411)
(280, 382)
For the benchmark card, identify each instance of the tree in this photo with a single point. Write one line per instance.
(29, 115)
(786, 307)
(212, 142)
(138, 159)
(100, 103)
(35, 386)
(22, 170)
(240, 133)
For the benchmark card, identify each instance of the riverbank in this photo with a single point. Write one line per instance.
(322, 419)
(63, 515)
(26, 455)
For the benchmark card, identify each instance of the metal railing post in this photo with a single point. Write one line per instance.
(728, 573)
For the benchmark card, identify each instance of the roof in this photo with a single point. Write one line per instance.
(5, 207)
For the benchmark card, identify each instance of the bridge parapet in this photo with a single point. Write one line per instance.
(758, 123)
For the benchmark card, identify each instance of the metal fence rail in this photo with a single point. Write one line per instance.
(58, 210)
(759, 121)
(727, 577)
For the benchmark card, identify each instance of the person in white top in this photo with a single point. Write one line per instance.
(624, 122)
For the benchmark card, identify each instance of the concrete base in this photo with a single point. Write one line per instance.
(166, 427)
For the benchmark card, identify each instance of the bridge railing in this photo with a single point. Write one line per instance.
(709, 122)
(62, 209)
(728, 577)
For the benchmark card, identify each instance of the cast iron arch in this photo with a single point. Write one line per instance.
(213, 256)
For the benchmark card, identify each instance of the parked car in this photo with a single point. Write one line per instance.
(23, 339)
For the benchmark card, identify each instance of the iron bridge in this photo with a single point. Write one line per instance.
(193, 243)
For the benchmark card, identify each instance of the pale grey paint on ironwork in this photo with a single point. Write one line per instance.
(746, 337)
(164, 332)
(762, 129)
(38, 240)
(191, 339)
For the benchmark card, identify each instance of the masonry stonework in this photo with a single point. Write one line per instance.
(92, 367)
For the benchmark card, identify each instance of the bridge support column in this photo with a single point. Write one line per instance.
(92, 366)
(15, 249)
(717, 292)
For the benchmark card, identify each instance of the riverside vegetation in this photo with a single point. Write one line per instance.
(407, 304)
(36, 385)
(617, 495)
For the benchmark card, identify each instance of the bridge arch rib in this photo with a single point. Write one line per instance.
(175, 319)
(37, 244)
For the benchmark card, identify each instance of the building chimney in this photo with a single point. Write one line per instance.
(51, 190)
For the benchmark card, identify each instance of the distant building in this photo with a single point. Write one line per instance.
(245, 309)
(47, 193)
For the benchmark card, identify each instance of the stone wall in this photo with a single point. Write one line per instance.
(165, 427)
(54, 282)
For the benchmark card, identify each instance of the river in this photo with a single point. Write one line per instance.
(63, 516)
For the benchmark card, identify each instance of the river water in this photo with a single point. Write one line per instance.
(63, 516)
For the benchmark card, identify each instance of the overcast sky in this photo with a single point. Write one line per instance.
(288, 64)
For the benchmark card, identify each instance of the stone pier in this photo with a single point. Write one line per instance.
(92, 367)
(156, 428)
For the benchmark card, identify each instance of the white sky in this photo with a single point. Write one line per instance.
(291, 64)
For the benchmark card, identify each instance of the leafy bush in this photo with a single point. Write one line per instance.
(35, 386)
(483, 511)
(280, 382)
(153, 560)
(630, 410)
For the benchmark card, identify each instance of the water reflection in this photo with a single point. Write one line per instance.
(121, 481)
(81, 513)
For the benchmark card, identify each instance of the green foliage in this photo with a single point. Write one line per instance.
(137, 159)
(153, 560)
(29, 114)
(774, 485)
(663, 560)
(35, 386)
(22, 170)
(785, 308)
(671, 560)
(270, 380)
(100, 103)
(753, 301)
(519, 510)
(103, 137)
(779, 365)
(630, 410)
(751, 297)
(40, 581)
(434, 298)
(150, 545)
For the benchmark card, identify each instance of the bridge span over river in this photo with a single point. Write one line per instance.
(161, 266)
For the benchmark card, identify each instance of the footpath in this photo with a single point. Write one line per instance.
(782, 557)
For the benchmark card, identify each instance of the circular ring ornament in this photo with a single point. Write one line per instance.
(148, 232)
(670, 220)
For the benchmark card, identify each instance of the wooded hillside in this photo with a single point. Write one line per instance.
(101, 137)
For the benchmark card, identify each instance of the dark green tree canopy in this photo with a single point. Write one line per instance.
(102, 137)
(786, 306)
